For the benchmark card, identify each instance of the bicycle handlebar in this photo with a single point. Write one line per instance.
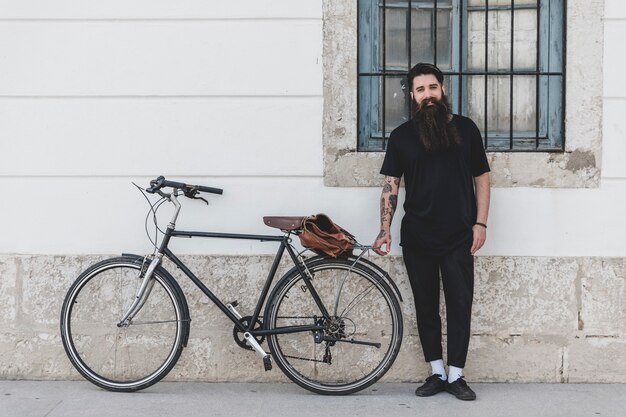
(160, 182)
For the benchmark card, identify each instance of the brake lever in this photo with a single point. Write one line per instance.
(155, 185)
(192, 192)
(201, 198)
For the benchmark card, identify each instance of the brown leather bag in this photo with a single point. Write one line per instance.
(324, 237)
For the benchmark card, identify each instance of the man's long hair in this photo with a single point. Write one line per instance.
(434, 126)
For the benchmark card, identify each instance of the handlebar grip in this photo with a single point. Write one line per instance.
(210, 190)
(173, 184)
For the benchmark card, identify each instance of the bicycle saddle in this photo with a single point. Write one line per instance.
(284, 222)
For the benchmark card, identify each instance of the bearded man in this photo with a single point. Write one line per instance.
(446, 177)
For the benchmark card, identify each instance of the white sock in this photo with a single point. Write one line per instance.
(454, 373)
(437, 367)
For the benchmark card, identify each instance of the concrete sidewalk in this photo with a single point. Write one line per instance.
(35, 398)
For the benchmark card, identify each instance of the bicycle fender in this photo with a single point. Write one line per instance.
(179, 292)
(384, 274)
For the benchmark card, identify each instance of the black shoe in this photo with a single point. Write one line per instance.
(433, 385)
(460, 390)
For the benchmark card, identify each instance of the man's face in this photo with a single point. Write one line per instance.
(425, 89)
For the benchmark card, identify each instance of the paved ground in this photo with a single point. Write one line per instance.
(28, 398)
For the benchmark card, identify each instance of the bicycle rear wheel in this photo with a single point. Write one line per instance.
(359, 342)
(126, 358)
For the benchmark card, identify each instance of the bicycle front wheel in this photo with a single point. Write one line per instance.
(127, 358)
(360, 339)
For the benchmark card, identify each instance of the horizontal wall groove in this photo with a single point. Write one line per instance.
(157, 20)
(159, 97)
(602, 336)
(615, 19)
(146, 176)
(613, 178)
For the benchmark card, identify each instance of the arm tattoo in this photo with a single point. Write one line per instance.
(382, 234)
(393, 200)
(388, 202)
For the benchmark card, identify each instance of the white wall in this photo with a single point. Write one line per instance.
(94, 95)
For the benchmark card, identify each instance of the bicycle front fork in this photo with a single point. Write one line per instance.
(143, 292)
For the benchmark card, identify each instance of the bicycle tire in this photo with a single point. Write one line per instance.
(123, 358)
(368, 310)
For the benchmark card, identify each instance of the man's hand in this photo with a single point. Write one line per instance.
(383, 239)
(480, 235)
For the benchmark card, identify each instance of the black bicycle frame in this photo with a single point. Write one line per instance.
(284, 244)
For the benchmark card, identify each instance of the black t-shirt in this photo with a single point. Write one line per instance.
(440, 203)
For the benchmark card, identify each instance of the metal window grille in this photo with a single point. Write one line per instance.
(503, 61)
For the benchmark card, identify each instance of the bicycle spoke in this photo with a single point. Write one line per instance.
(156, 322)
(353, 303)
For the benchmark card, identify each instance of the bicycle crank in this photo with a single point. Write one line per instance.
(239, 336)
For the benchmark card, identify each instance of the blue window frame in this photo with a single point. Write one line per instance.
(503, 60)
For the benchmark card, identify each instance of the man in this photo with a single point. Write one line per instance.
(446, 176)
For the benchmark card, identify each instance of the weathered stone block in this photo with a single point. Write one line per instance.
(409, 365)
(515, 359)
(8, 289)
(45, 282)
(198, 362)
(597, 359)
(33, 356)
(515, 295)
(603, 296)
(512, 295)
(217, 358)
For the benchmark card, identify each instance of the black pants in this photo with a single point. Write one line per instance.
(457, 274)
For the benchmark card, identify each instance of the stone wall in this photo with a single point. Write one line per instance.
(536, 319)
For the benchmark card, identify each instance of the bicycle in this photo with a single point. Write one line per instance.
(333, 325)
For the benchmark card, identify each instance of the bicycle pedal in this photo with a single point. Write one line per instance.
(267, 362)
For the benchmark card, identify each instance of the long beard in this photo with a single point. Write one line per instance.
(434, 126)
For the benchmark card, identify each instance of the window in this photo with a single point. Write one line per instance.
(503, 61)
